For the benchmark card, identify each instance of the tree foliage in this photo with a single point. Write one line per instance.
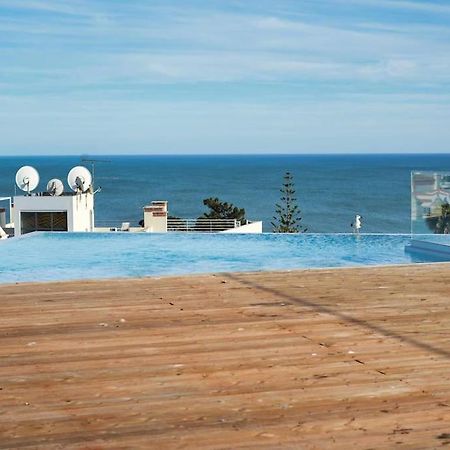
(222, 210)
(287, 213)
(443, 222)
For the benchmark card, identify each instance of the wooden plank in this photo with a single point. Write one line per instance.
(304, 359)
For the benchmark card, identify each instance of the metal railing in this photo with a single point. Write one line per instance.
(201, 225)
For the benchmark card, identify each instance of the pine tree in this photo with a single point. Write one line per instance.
(287, 218)
(222, 210)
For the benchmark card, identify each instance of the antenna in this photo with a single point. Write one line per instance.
(93, 162)
(79, 179)
(55, 187)
(27, 179)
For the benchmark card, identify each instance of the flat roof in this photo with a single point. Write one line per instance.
(346, 358)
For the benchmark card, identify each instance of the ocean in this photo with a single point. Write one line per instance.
(331, 189)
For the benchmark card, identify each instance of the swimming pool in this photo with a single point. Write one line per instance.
(67, 256)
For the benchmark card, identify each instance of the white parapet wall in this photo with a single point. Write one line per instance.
(77, 208)
(118, 230)
(249, 228)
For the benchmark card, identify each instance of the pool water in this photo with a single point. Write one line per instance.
(67, 256)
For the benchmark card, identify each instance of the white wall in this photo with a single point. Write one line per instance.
(79, 208)
(250, 228)
(82, 217)
(155, 217)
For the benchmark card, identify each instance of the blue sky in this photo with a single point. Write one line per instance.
(230, 76)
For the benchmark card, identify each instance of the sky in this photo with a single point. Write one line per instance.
(224, 76)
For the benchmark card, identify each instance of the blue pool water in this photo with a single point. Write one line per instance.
(67, 256)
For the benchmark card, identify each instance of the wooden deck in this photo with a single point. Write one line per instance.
(345, 359)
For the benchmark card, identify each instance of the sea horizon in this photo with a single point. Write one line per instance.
(331, 188)
(219, 154)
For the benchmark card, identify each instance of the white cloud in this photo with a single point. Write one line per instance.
(65, 75)
(70, 124)
(422, 6)
(223, 47)
(61, 7)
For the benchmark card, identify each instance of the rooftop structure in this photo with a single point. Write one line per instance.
(53, 209)
(157, 220)
(56, 210)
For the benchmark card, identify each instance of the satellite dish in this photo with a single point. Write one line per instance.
(55, 187)
(27, 178)
(79, 179)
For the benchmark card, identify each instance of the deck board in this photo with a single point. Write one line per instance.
(304, 359)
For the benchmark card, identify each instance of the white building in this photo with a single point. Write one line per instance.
(157, 220)
(67, 212)
(53, 210)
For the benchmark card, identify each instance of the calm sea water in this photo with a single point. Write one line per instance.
(330, 188)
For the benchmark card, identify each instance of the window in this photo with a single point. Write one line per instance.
(43, 221)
